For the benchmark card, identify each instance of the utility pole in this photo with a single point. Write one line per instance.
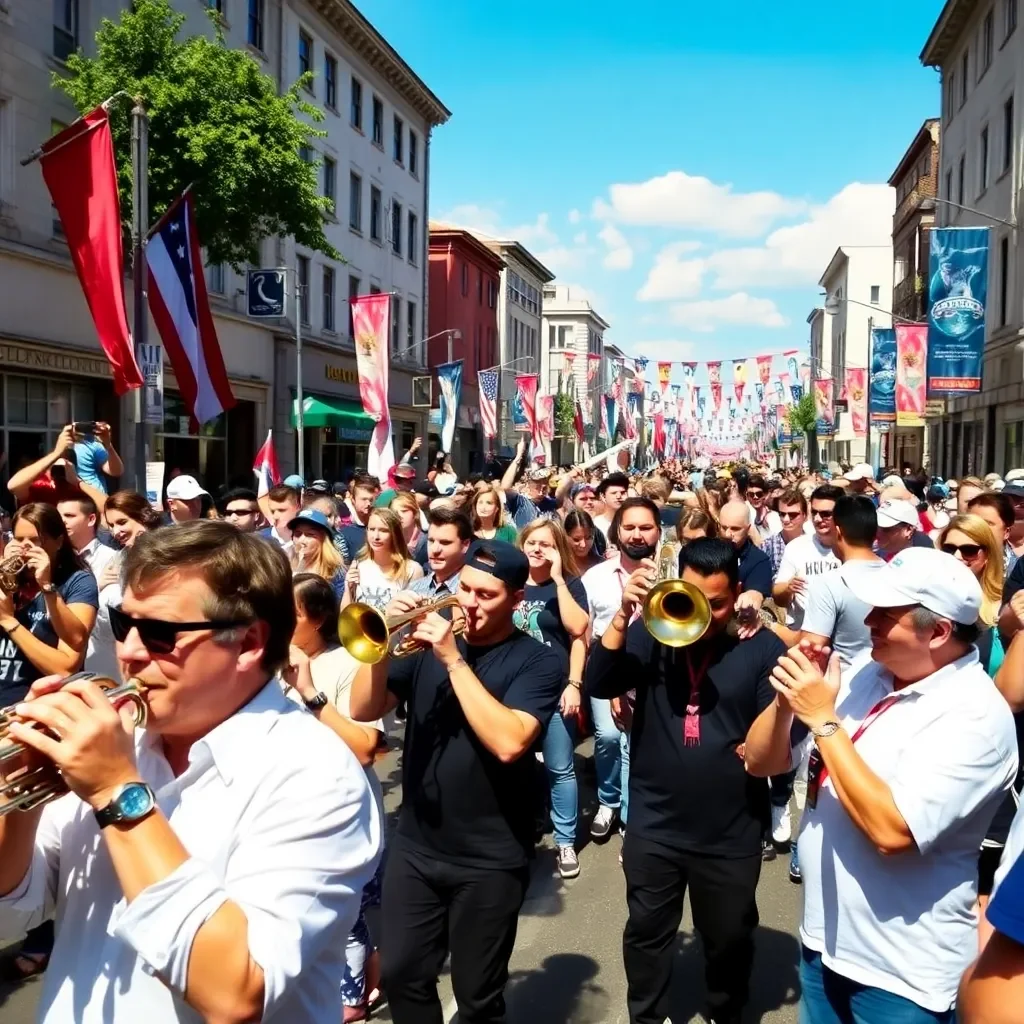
(299, 411)
(140, 228)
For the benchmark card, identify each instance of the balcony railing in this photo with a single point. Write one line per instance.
(908, 299)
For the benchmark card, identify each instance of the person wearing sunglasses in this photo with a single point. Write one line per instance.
(241, 508)
(218, 855)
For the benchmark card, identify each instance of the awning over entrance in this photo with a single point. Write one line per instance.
(322, 411)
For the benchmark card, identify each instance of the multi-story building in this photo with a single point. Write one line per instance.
(464, 283)
(979, 50)
(858, 297)
(571, 328)
(374, 162)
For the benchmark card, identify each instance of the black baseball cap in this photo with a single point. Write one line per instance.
(500, 560)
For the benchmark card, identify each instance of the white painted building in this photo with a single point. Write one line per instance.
(51, 366)
(571, 325)
(858, 284)
(979, 49)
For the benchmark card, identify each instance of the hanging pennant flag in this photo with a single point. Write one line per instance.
(857, 397)
(715, 372)
(764, 370)
(911, 362)
(824, 408)
(568, 368)
(664, 375)
(577, 422)
(699, 403)
(526, 391)
(882, 385)
(739, 378)
(716, 397)
(607, 416)
(546, 417)
(449, 386)
(265, 467)
(759, 390)
(593, 366)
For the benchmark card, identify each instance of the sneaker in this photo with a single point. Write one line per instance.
(604, 820)
(568, 862)
(767, 850)
(622, 829)
(782, 825)
(794, 867)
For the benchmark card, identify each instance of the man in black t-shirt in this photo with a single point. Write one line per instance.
(695, 816)
(457, 866)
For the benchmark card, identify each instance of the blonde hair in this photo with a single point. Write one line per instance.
(406, 500)
(399, 549)
(328, 562)
(991, 579)
(562, 543)
(656, 488)
(709, 501)
(483, 488)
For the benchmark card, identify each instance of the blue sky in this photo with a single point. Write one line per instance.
(692, 167)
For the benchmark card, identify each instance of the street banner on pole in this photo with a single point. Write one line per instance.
(857, 397)
(957, 294)
(449, 384)
(487, 385)
(151, 362)
(825, 415)
(371, 315)
(911, 360)
(546, 417)
(526, 395)
(882, 388)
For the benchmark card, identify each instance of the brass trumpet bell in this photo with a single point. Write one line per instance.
(11, 569)
(369, 636)
(676, 613)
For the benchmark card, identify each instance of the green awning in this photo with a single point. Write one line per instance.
(322, 411)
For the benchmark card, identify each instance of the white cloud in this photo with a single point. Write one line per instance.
(580, 238)
(678, 199)
(620, 252)
(662, 351)
(739, 309)
(673, 277)
(564, 258)
(798, 254)
(575, 216)
(488, 221)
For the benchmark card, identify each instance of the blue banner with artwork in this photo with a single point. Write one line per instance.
(519, 420)
(882, 386)
(957, 294)
(449, 384)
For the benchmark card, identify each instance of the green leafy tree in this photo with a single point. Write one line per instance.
(803, 418)
(565, 415)
(216, 122)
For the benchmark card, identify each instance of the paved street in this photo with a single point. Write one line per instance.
(567, 966)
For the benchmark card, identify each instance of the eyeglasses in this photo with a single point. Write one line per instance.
(821, 514)
(751, 493)
(157, 635)
(239, 512)
(791, 515)
(967, 551)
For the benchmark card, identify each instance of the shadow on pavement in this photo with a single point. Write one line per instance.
(561, 991)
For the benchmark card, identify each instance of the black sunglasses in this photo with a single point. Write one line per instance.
(751, 493)
(157, 635)
(968, 551)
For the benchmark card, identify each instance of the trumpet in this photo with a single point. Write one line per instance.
(675, 613)
(28, 781)
(11, 569)
(369, 636)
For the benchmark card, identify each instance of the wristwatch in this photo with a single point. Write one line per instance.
(316, 702)
(49, 588)
(131, 802)
(826, 729)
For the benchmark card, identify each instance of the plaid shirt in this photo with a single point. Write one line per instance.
(773, 547)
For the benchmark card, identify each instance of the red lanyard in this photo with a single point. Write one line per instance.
(872, 716)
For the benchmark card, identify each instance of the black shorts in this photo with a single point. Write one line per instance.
(988, 861)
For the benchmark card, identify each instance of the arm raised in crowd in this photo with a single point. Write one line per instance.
(21, 481)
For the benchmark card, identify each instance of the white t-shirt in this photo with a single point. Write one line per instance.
(374, 588)
(947, 750)
(807, 557)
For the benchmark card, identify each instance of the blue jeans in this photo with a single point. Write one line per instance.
(611, 758)
(559, 748)
(829, 998)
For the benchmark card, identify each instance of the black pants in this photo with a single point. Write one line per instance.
(429, 906)
(722, 897)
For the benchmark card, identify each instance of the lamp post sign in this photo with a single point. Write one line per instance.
(265, 293)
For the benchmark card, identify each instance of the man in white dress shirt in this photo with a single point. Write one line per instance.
(210, 867)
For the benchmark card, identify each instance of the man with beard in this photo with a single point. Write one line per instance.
(637, 525)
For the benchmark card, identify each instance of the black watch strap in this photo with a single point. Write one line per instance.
(317, 702)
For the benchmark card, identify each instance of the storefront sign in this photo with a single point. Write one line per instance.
(341, 373)
(934, 408)
(151, 362)
(22, 357)
(155, 483)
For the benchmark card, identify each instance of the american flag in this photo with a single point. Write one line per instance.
(488, 382)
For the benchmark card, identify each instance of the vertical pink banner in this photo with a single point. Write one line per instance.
(370, 322)
(911, 362)
(546, 417)
(526, 385)
(857, 397)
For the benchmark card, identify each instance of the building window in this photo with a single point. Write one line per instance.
(302, 268)
(375, 213)
(411, 241)
(215, 278)
(305, 56)
(951, 96)
(492, 294)
(305, 154)
(396, 322)
(465, 278)
(988, 37)
(378, 122)
(410, 325)
(399, 140)
(1004, 280)
(331, 81)
(480, 287)
(355, 202)
(949, 183)
(356, 106)
(1009, 17)
(396, 227)
(961, 179)
(254, 26)
(965, 66)
(983, 160)
(65, 28)
(331, 181)
(353, 293)
(1013, 444)
(328, 297)
(875, 294)
(216, 5)
(1008, 134)
(414, 153)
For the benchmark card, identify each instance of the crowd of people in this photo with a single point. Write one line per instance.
(861, 664)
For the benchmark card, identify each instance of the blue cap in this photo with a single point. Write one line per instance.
(312, 517)
(295, 481)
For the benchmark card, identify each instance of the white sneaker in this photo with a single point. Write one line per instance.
(601, 826)
(782, 824)
(568, 862)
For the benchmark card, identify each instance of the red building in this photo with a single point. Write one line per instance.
(463, 300)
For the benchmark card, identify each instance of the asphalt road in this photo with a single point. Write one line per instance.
(567, 964)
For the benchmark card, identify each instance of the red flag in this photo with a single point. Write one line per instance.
(578, 423)
(78, 168)
(265, 467)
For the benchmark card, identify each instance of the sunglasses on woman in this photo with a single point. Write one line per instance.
(157, 635)
(967, 551)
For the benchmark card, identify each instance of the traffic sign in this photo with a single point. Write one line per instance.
(265, 293)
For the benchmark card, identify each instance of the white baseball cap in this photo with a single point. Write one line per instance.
(925, 577)
(1013, 475)
(862, 471)
(185, 488)
(896, 512)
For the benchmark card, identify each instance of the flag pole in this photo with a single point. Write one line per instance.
(140, 217)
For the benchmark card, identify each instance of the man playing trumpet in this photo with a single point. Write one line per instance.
(211, 866)
(456, 873)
